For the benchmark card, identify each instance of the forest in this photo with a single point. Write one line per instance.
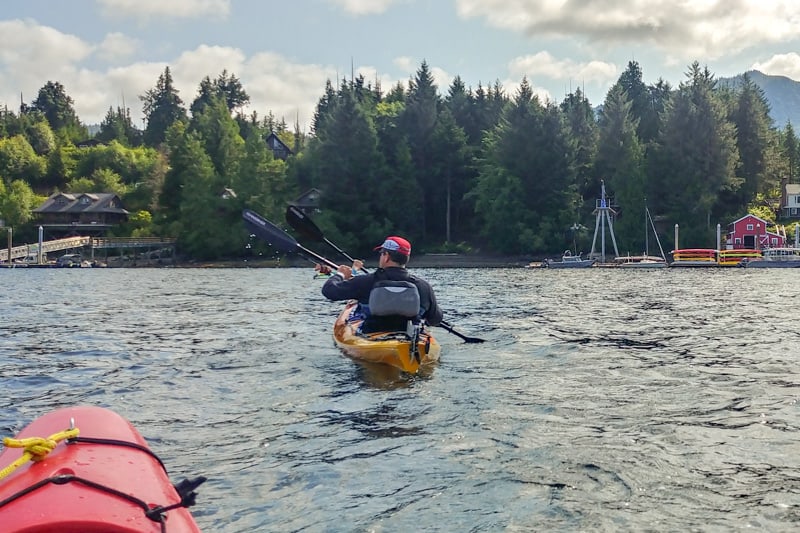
(456, 169)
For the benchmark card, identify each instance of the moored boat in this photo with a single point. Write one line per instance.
(395, 348)
(92, 472)
(784, 257)
(569, 261)
(641, 261)
(645, 260)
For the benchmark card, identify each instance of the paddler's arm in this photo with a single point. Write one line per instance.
(433, 315)
(344, 286)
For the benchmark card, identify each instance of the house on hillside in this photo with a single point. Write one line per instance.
(790, 200)
(278, 147)
(89, 143)
(750, 233)
(85, 214)
(308, 202)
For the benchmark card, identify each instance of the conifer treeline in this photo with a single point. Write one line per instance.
(471, 169)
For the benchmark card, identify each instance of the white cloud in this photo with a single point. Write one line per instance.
(117, 46)
(781, 65)
(145, 9)
(599, 74)
(38, 48)
(699, 29)
(364, 7)
(405, 63)
(441, 78)
(31, 55)
(288, 90)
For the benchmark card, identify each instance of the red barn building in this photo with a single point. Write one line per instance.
(750, 232)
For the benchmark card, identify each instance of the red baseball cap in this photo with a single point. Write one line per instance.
(395, 244)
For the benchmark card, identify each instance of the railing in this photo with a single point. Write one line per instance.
(49, 246)
(56, 245)
(132, 242)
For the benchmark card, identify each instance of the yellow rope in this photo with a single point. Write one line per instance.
(36, 448)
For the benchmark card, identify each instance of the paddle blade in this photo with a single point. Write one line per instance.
(300, 222)
(468, 340)
(269, 232)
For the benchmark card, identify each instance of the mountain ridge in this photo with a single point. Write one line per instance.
(782, 94)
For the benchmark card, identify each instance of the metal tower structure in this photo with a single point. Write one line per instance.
(603, 213)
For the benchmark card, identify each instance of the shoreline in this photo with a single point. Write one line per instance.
(423, 261)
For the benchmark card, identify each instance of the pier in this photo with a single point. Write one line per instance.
(10, 253)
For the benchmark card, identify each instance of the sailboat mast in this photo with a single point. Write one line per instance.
(646, 231)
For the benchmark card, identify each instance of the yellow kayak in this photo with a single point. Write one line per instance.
(390, 348)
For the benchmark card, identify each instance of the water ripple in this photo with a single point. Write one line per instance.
(602, 401)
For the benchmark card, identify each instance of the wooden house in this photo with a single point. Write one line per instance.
(278, 147)
(790, 200)
(85, 214)
(750, 232)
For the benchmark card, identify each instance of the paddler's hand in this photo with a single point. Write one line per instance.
(345, 271)
(358, 264)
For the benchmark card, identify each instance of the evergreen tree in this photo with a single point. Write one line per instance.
(461, 104)
(697, 157)
(161, 107)
(324, 107)
(419, 122)
(57, 107)
(583, 135)
(645, 107)
(204, 221)
(186, 153)
(620, 162)
(117, 125)
(398, 177)
(348, 167)
(526, 195)
(221, 139)
(455, 172)
(791, 151)
(750, 116)
(226, 87)
(261, 184)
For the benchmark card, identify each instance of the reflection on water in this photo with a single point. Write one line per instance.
(603, 400)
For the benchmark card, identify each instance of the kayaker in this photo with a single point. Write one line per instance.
(394, 255)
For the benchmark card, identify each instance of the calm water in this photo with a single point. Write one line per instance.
(602, 401)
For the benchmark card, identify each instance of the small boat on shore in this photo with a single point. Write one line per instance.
(786, 257)
(569, 261)
(394, 348)
(86, 469)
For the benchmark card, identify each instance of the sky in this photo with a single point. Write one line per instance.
(107, 53)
